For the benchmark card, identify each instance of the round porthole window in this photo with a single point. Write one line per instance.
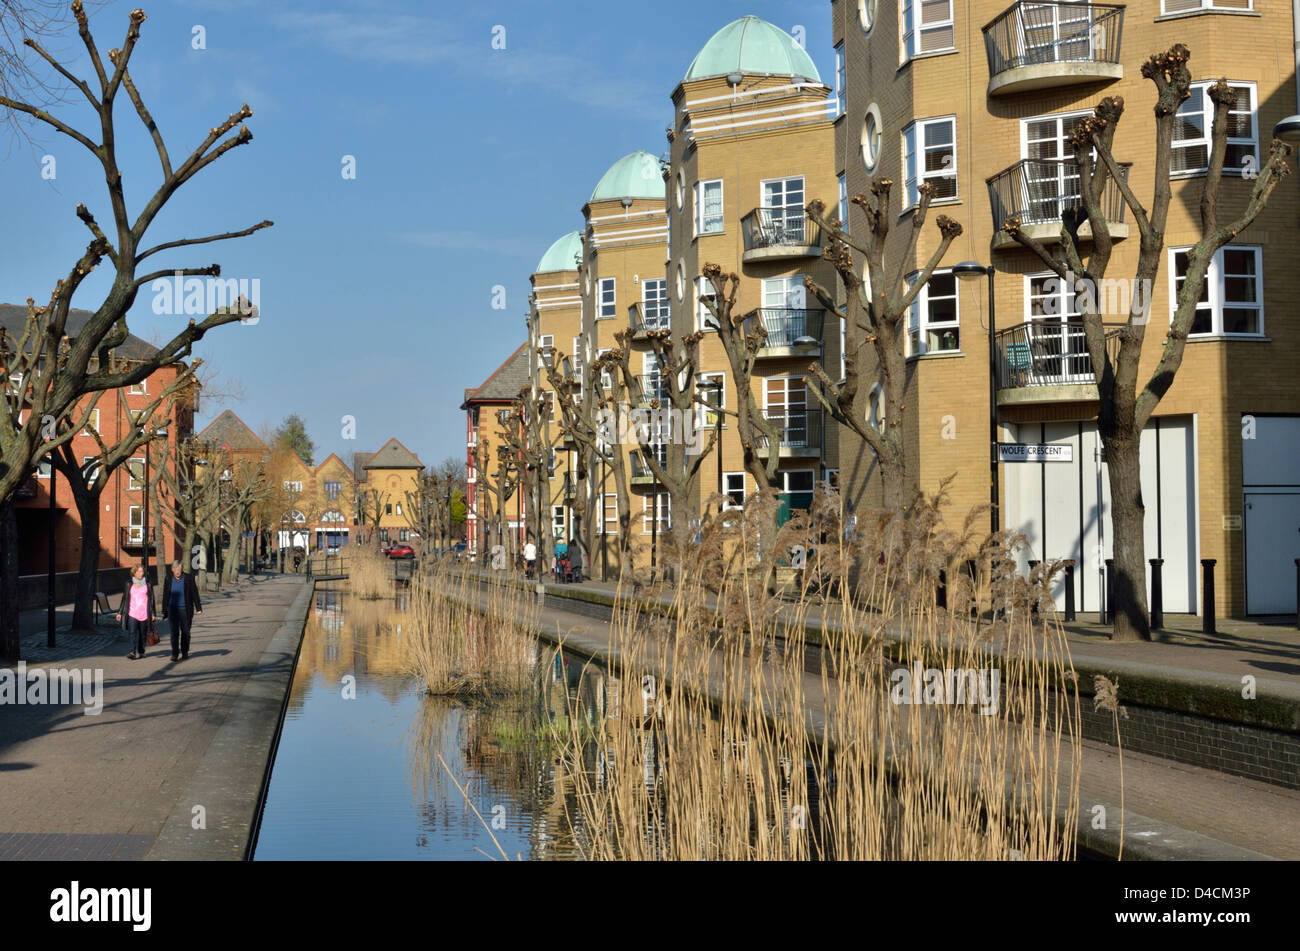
(867, 14)
(681, 190)
(871, 126)
(681, 281)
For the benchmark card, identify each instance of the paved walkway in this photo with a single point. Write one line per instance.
(102, 786)
(1182, 811)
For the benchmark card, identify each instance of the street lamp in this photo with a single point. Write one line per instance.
(144, 541)
(970, 271)
(1288, 130)
(717, 387)
(49, 603)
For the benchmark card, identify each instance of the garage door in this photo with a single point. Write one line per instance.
(1272, 545)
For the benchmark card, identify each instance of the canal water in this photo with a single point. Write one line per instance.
(359, 770)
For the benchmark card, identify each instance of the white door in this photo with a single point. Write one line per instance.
(1272, 545)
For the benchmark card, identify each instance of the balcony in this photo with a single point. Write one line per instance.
(772, 234)
(643, 317)
(800, 433)
(133, 537)
(791, 332)
(1046, 361)
(651, 386)
(639, 473)
(1039, 45)
(1040, 192)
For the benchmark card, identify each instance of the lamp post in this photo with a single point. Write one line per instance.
(49, 601)
(144, 541)
(717, 387)
(969, 271)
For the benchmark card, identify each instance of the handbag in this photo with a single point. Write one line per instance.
(151, 639)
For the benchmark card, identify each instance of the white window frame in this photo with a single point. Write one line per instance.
(918, 319)
(909, 47)
(92, 423)
(914, 175)
(704, 321)
(1197, 6)
(1214, 285)
(843, 208)
(559, 522)
(1206, 138)
(661, 302)
(697, 209)
(135, 523)
(702, 420)
(844, 349)
(139, 389)
(839, 79)
(91, 479)
(606, 311)
(291, 485)
(663, 510)
(729, 502)
(609, 526)
(133, 484)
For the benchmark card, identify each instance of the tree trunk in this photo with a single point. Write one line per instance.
(1128, 523)
(9, 613)
(83, 611)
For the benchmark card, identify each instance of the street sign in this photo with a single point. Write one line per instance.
(1034, 452)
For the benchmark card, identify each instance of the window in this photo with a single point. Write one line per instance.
(932, 323)
(1184, 6)
(870, 141)
(403, 534)
(797, 487)
(867, 14)
(876, 408)
(714, 396)
(546, 347)
(784, 199)
(90, 467)
(663, 509)
(334, 515)
(927, 26)
(844, 201)
(43, 468)
(844, 349)
(137, 389)
(293, 486)
(839, 79)
(609, 524)
(704, 319)
(92, 422)
(383, 535)
(135, 469)
(398, 509)
(1232, 298)
(930, 155)
(332, 489)
(733, 487)
(605, 298)
(785, 403)
(784, 293)
(708, 207)
(135, 524)
(654, 303)
(652, 378)
(388, 508)
(1195, 126)
(557, 521)
(606, 381)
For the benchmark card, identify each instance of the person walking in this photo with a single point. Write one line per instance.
(530, 557)
(180, 604)
(575, 559)
(135, 612)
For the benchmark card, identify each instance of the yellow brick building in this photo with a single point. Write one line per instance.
(978, 98)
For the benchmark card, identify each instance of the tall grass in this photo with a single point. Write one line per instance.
(370, 575)
(727, 739)
(471, 642)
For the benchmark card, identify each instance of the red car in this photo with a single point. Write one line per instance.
(400, 551)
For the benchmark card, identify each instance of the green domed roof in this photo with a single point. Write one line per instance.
(633, 176)
(563, 255)
(751, 45)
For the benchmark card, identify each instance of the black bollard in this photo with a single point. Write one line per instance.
(1297, 593)
(1157, 595)
(1069, 591)
(1207, 595)
(941, 589)
(1033, 611)
(1107, 613)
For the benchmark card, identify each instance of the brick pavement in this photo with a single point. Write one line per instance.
(72, 779)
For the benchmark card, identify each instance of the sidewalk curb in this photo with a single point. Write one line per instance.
(230, 780)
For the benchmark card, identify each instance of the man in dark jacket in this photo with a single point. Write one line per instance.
(180, 604)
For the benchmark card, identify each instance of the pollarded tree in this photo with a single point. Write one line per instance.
(1127, 402)
(877, 299)
(51, 381)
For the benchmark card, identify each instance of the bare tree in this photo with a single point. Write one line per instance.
(50, 380)
(1125, 409)
(876, 305)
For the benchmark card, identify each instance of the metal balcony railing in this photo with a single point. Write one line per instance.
(651, 386)
(642, 316)
(1040, 191)
(133, 536)
(1034, 33)
(1048, 352)
(786, 227)
(798, 429)
(786, 325)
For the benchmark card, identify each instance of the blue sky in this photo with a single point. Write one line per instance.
(375, 292)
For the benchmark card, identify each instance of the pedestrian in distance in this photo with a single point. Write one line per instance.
(180, 604)
(530, 557)
(575, 559)
(135, 612)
